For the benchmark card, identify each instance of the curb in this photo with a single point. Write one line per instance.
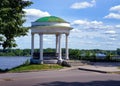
(99, 71)
(93, 70)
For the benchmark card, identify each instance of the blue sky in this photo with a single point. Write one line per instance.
(96, 23)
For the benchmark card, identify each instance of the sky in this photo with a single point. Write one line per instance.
(96, 23)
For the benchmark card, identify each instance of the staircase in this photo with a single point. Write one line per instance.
(77, 62)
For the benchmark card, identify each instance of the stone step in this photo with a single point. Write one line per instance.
(77, 62)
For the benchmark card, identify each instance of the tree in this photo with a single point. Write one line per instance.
(1, 40)
(74, 54)
(86, 55)
(118, 51)
(11, 21)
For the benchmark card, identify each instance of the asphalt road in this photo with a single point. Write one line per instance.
(60, 78)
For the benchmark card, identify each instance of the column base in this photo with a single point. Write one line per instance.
(66, 58)
(59, 61)
(36, 61)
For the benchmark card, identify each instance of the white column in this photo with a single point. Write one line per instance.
(32, 44)
(57, 39)
(67, 51)
(41, 48)
(60, 51)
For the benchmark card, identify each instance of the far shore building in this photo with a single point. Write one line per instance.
(50, 25)
(100, 55)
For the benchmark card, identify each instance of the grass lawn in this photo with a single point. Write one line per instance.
(35, 67)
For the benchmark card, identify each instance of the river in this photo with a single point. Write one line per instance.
(8, 62)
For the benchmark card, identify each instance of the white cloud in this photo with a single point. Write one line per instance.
(85, 22)
(110, 32)
(36, 13)
(76, 31)
(113, 39)
(80, 22)
(113, 16)
(83, 38)
(81, 5)
(95, 25)
(115, 8)
(85, 34)
(96, 22)
(88, 24)
(117, 26)
(94, 32)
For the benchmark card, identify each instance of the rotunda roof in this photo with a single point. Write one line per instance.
(51, 25)
(51, 19)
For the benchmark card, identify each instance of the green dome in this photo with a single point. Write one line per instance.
(50, 19)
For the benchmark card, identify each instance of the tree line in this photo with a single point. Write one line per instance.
(75, 54)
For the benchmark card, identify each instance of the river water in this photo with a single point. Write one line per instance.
(11, 62)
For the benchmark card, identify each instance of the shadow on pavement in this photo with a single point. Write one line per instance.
(94, 83)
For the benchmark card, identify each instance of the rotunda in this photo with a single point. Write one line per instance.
(50, 25)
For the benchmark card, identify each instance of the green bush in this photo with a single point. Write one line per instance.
(74, 54)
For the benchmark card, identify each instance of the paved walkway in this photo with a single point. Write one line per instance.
(98, 67)
(66, 77)
(60, 78)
